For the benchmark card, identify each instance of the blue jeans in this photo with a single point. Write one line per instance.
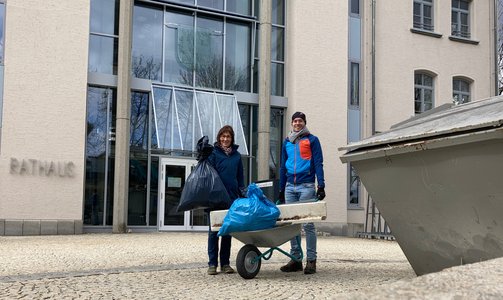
(300, 193)
(225, 249)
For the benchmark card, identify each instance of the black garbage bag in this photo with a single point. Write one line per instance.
(204, 149)
(204, 189)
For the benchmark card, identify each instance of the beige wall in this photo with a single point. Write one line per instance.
(44, 108)
(317, 59)
(399, 52)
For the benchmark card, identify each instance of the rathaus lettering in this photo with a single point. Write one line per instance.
(41, 168)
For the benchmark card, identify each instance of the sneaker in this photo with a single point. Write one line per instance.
(227, 269)
(292, 266)
(310, 267)
(212, 270)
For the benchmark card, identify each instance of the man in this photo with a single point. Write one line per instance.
(301, 162)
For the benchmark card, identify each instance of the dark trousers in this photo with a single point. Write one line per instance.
(225, 249)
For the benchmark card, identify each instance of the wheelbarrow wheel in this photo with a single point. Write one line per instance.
(247, 263)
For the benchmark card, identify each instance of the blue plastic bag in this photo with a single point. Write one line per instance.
(255, 212)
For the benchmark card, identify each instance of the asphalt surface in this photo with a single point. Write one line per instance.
(173, 266)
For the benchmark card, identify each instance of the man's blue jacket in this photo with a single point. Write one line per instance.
(300, 162)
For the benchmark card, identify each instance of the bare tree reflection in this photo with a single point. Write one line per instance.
(146, 68)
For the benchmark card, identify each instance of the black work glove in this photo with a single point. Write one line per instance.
(320, 193)
(204, 149)
(281, 197)
(242, 192)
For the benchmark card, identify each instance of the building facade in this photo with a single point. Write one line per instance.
(69, 84)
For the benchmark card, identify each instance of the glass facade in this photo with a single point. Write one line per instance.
(192, 47)
(100, 149)
(103, 40)
(196, 54)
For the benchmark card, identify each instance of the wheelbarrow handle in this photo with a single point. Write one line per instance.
(301, 201)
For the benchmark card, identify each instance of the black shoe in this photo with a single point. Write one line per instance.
(310, 267)
(292, 266)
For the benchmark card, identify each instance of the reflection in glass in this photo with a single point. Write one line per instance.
(179, 47)
(154, 190)
(137, 201)
(98, 192)
(354, 188)
(277, 43)
(172, 194)
(2, 34)
(147, 42)
(277, 85)
(237, 56)
(104, 14)
(276, 140)
(239, 6)
(354, 87)
(102, 54)
(278, 12)
(138, 123)
(216, 4)
(209, 52)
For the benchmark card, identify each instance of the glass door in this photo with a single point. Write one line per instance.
(173, 174)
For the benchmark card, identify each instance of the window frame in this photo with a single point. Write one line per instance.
(456, 28)
(422, 25)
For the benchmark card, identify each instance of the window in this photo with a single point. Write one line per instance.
(354, 85)
(460, 91)
(423, 92)
(185, 46)
(100, 162)
(354, 7)
(277, 49)
(104, 36)
(423, 14)
(354, 188)
(460, 25)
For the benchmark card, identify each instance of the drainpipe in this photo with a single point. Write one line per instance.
(264, 104)
(496, 54)
(121, 180)
(373, 67)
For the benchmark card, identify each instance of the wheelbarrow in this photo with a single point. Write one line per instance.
(288, 226)
(249, 257)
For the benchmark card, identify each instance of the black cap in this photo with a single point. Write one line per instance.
(299, 115)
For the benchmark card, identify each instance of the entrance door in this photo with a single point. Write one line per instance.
(173, 173)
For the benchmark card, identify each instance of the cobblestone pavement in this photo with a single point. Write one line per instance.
(173, 266)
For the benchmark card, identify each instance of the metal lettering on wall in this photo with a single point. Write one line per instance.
(37, 167)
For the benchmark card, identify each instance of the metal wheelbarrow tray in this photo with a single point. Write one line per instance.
(288, 226)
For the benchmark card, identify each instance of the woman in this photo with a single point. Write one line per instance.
(227, 161)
